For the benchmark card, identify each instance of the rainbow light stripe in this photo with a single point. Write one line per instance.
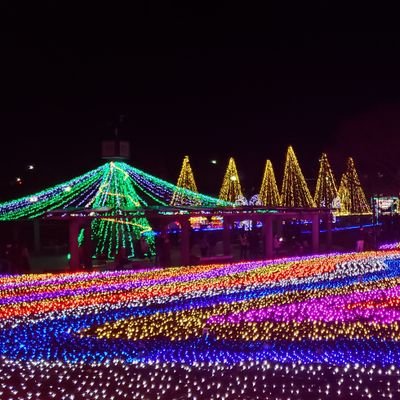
(315, 327)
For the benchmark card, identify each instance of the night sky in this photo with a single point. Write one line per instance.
(207, 82)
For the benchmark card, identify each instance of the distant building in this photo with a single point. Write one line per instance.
(115, 150)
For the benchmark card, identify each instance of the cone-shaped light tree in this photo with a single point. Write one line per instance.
(326, 190)
(185, 181)
(351, 194)
(269, 194)
(230, 189)
(295, 192)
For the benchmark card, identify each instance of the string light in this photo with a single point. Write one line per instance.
(186, 181)
(309, 327)
(230, 190)
(352, 197)
(295, 192)
(114, 186)
(326, 189)
(269, 194)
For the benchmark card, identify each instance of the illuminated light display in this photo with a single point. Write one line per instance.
(269, 193)
(295, 192)
(230, 189)
(385, 205)
(115, 186)
(216, 222)
(254, 200)
(198, 222)
(352, 197)
(326, 190)
(322, 327)
(390, 246)
(186, 181)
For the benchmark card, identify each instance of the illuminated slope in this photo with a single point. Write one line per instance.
(319, 327)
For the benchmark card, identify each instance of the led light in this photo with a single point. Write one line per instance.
(230, 189)
(295, 192)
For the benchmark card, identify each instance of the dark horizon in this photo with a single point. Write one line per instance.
(208, 83)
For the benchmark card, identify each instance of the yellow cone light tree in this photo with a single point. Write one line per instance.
(185, 181)
(230, 189)
(269, 194)
(295, 192)
(326, 189)
(351, 194)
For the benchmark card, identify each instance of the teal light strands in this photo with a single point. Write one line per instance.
(64, 195)
(162, 191)
(118, 193)
(120, 188)
(81, 236)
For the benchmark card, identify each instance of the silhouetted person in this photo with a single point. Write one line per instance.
(253, 243)
(165, 256)
(277, 243)
(158, 241)
(121, 258)
(19, 258)
(87, 255)
(204, 246)
(360, 240)
(144, 247)
(244, 244)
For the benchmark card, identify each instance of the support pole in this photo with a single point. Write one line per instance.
(185, 241)
(268, 237)
(315, 233)
(74, 227)
(279, 228)
(226, 237)
(329, 232)
(36, 236)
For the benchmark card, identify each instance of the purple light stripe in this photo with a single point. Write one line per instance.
(328, 309)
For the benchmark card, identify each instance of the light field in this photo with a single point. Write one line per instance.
(316, 328)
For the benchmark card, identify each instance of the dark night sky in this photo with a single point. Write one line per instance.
(207, 82)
